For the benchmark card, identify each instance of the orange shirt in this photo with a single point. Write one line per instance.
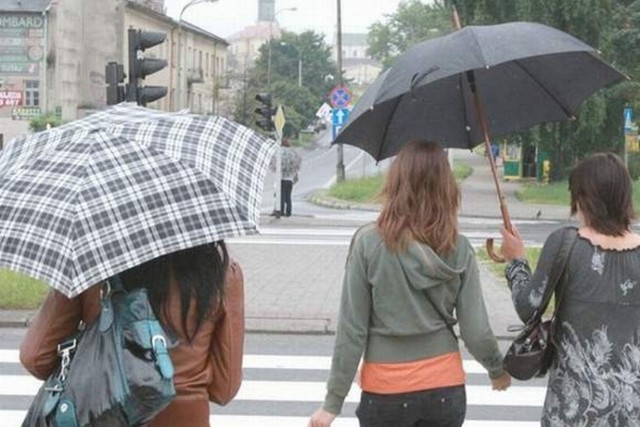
(425, 374)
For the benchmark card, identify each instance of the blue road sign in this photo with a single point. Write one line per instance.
(340, 97)
(339, 116)
(628, 120)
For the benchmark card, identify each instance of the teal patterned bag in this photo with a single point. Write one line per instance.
(115, 372)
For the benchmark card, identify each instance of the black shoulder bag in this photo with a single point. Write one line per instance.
(531, 353)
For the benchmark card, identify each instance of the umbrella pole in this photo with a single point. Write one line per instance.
(504, 210)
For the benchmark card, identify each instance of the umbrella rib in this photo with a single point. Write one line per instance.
(564, 108)
(386, 129)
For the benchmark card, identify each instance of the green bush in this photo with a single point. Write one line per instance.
(39, 123)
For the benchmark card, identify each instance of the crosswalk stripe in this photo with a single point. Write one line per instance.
(14, 419)
(263, 361)
(310, 391)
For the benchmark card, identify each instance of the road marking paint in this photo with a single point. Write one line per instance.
(14, 419)
(312, 391)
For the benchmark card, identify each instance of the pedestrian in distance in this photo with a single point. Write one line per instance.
(594, 379)
(405, 276)
(291, 162)
(198, 295)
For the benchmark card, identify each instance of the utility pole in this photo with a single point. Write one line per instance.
(340, 166)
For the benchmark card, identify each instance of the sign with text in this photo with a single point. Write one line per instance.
(25, 113)
(10, 98)
(21, 44)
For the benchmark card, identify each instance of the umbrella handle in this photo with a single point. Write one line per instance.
(492, 254)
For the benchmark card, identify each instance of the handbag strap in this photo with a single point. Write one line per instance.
(557, 271)
(428, 297)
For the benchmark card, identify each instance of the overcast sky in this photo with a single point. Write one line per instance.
(226, 17)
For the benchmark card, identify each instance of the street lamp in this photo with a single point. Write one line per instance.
(275, 16)
(182, 80)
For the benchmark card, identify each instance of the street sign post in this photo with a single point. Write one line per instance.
(340, 97)
(278, 122)
(339, 117)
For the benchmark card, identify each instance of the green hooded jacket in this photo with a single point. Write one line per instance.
(386, 316)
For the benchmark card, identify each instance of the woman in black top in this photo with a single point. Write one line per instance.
(595, 376)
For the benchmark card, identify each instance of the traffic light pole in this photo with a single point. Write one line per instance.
(278, 199)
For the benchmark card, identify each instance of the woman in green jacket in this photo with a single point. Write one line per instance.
(405, 276)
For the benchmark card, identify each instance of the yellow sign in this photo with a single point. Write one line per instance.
(279, 120)
(633, 145)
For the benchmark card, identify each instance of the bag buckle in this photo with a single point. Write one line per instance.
(67, 346)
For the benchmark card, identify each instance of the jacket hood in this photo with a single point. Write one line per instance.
(425, 269)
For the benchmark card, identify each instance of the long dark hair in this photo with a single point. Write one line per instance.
(199, 273)
(421, 199)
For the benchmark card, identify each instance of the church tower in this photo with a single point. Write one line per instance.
(266, 10)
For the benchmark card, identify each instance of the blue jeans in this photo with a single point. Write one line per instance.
(439, 407)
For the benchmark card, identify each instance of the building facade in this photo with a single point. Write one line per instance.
(53, 55)
(358, 66)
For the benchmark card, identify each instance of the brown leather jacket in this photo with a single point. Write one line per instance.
(209, 368)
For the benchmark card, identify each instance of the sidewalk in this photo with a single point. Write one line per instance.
(479, 196)
(306, 298)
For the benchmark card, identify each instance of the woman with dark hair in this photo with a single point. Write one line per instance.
(198, 296)
(594, 379)
(405, 276)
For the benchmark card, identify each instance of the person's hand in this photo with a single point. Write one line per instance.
(501, 383)
(512, 244)
(321, 418)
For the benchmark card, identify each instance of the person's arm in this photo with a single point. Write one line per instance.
(352, 330)
(475, 329)
(527, 289)
(228, 340)
(57, 319)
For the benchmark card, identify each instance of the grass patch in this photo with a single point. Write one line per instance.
(366, 189)
(18, 291)
(532, 255)
(557, 193)
(304, 139)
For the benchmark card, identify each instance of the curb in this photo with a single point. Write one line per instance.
(320, 198)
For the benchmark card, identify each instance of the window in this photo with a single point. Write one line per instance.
(206, 64)
(32, 93)
(200, 60)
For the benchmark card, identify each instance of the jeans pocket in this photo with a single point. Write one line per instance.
(453, 405)
(383, 411)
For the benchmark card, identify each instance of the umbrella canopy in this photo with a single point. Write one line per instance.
(97, 196)
(525, 74)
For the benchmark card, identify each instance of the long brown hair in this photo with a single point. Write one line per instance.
(421, 199)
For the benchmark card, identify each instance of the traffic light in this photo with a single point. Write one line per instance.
(115, 76)
(264, 112)
(140, 67)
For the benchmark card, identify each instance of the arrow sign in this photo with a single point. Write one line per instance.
(339, 116)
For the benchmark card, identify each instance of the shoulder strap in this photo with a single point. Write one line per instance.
(426, 294)
(557, 271)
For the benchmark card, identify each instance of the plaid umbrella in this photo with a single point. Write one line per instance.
(87, 200)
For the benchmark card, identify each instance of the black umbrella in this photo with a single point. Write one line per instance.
(478, 81)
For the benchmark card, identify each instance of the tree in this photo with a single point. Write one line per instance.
(300, 102)
(597, 127)
(411, 23)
